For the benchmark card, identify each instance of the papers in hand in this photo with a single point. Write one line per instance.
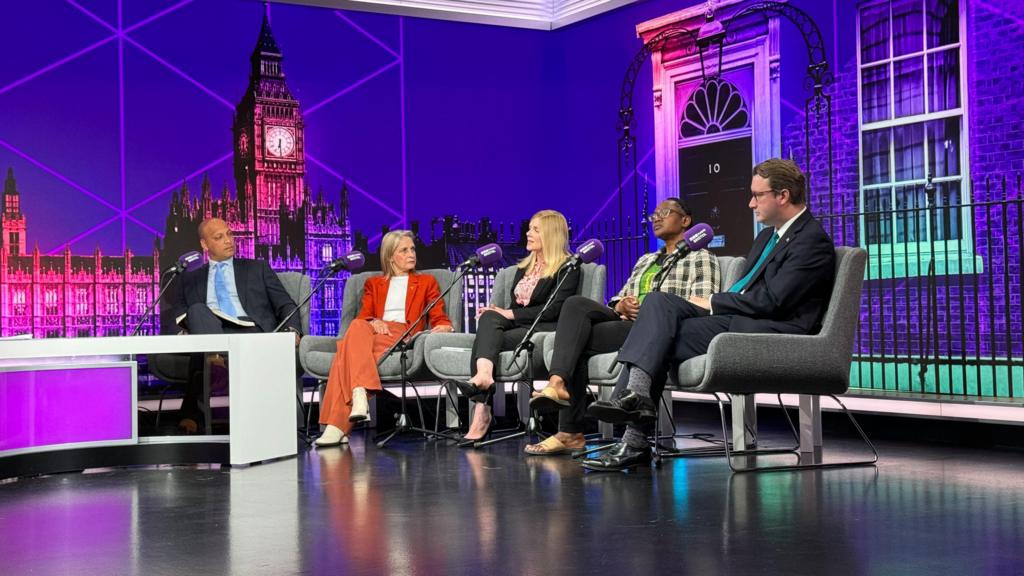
(232, 319)
(236, 321)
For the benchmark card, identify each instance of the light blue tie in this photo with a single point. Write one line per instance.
(220, 285)
(742, 283)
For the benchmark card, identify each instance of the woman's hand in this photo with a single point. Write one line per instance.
(628, 308)
(503, 311)
(442, 329)
(380, 327)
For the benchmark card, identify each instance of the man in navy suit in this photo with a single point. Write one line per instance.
(246, 291)
(227, 295)
(785, 289)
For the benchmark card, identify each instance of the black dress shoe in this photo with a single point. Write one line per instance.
(474, 393)
(620, 457)
(630, 407)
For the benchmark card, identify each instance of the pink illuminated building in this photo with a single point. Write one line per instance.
(273, 214)
(65, 294)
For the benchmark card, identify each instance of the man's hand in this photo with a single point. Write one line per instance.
(380, 327)
(628, 308)
(442, 329)
(701, 302)
(298, 337)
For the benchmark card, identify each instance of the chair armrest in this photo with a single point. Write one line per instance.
(447, 340)
(318, 344)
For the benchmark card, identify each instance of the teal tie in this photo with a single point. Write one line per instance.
(742, 283)
(220, 284)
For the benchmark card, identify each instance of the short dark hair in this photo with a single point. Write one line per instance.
(682, 206)
(784, 175)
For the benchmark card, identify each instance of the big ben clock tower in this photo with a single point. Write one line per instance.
(270, 163)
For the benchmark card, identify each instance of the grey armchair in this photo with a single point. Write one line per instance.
(316, 353)
(448, 355)
(809, 365)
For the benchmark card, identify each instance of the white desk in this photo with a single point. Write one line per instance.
(261, 369)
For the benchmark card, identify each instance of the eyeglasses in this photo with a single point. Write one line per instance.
(663, 213)
(757, 196)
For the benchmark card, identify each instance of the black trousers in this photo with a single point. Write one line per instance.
(202, 321)
(496, 334)
(585, 328)
(669, 330)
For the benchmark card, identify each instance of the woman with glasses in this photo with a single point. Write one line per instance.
(586, 328)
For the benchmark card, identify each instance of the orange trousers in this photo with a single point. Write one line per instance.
(354, 366)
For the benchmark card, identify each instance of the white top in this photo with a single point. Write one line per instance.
(394, 306)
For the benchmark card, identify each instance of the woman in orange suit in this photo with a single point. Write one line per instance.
(390, 302)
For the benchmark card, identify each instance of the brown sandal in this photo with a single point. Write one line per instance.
(547, 400)
(550, 446)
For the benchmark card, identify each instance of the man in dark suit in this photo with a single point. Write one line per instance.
(227, 295)
(785, 289)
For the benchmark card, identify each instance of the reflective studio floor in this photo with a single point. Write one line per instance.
(431, 508)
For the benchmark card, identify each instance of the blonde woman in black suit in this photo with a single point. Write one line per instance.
(500, 329)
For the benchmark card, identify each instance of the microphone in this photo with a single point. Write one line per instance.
(187, 261)
(486, 255)
(698, 237)
(585, 253)
(353, 262)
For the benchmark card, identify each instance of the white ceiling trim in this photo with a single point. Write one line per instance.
(531, 14)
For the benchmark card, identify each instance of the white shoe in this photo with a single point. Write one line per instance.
(360, 407)
(332, 436)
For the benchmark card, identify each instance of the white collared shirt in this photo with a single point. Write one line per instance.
(781, 231)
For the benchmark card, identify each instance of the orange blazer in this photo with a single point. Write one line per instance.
(423, 289)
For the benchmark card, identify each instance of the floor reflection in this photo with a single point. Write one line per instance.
(430, 508)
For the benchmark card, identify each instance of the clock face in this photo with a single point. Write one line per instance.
(280, 141)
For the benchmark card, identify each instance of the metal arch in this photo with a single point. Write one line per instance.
(634, 241)
(633, 71)
(819, 77)
(817, 70)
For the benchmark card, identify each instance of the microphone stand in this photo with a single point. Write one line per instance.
(669, 263)
(323, 280)
(304, 435)
(402, 346)
(159, 296)
(531, 426)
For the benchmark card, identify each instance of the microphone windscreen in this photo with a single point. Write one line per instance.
(190, 261)
(590, 250)
(699, 236)
(489, 254)
(353, 261)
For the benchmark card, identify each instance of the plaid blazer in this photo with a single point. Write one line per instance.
(695, 275)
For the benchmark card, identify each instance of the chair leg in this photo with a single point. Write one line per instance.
(719, 447)
(318, 394)
(450, 398)
(729, 454)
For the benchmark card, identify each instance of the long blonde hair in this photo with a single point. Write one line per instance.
(554, 236)
(388, 247)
